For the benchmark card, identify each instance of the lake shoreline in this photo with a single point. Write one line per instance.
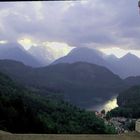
(105, 105)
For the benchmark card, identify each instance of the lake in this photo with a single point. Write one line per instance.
(107, 105)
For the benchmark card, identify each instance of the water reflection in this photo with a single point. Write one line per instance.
(107, 106)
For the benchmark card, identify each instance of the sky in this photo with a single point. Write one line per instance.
(112, 26)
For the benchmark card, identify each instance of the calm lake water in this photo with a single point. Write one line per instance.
(107, 105)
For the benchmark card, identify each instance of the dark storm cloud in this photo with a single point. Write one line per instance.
(96, 23)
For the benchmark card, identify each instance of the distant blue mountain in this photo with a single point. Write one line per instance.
(83, 55)
(128, 65)
(15, 51)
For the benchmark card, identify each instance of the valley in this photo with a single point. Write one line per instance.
(83, 77)
(80, 83)
(70, 69)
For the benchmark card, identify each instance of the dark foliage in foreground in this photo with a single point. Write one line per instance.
(22, 111)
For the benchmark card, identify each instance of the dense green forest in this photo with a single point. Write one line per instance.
(22, 111)
(129, 103)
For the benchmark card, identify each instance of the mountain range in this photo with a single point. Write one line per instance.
(84, 77)
(128, 65)
(81, 83)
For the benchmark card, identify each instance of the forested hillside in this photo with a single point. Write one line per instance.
(81, 83)
(22, 111)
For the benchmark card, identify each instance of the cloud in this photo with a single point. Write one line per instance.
(92, 23)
